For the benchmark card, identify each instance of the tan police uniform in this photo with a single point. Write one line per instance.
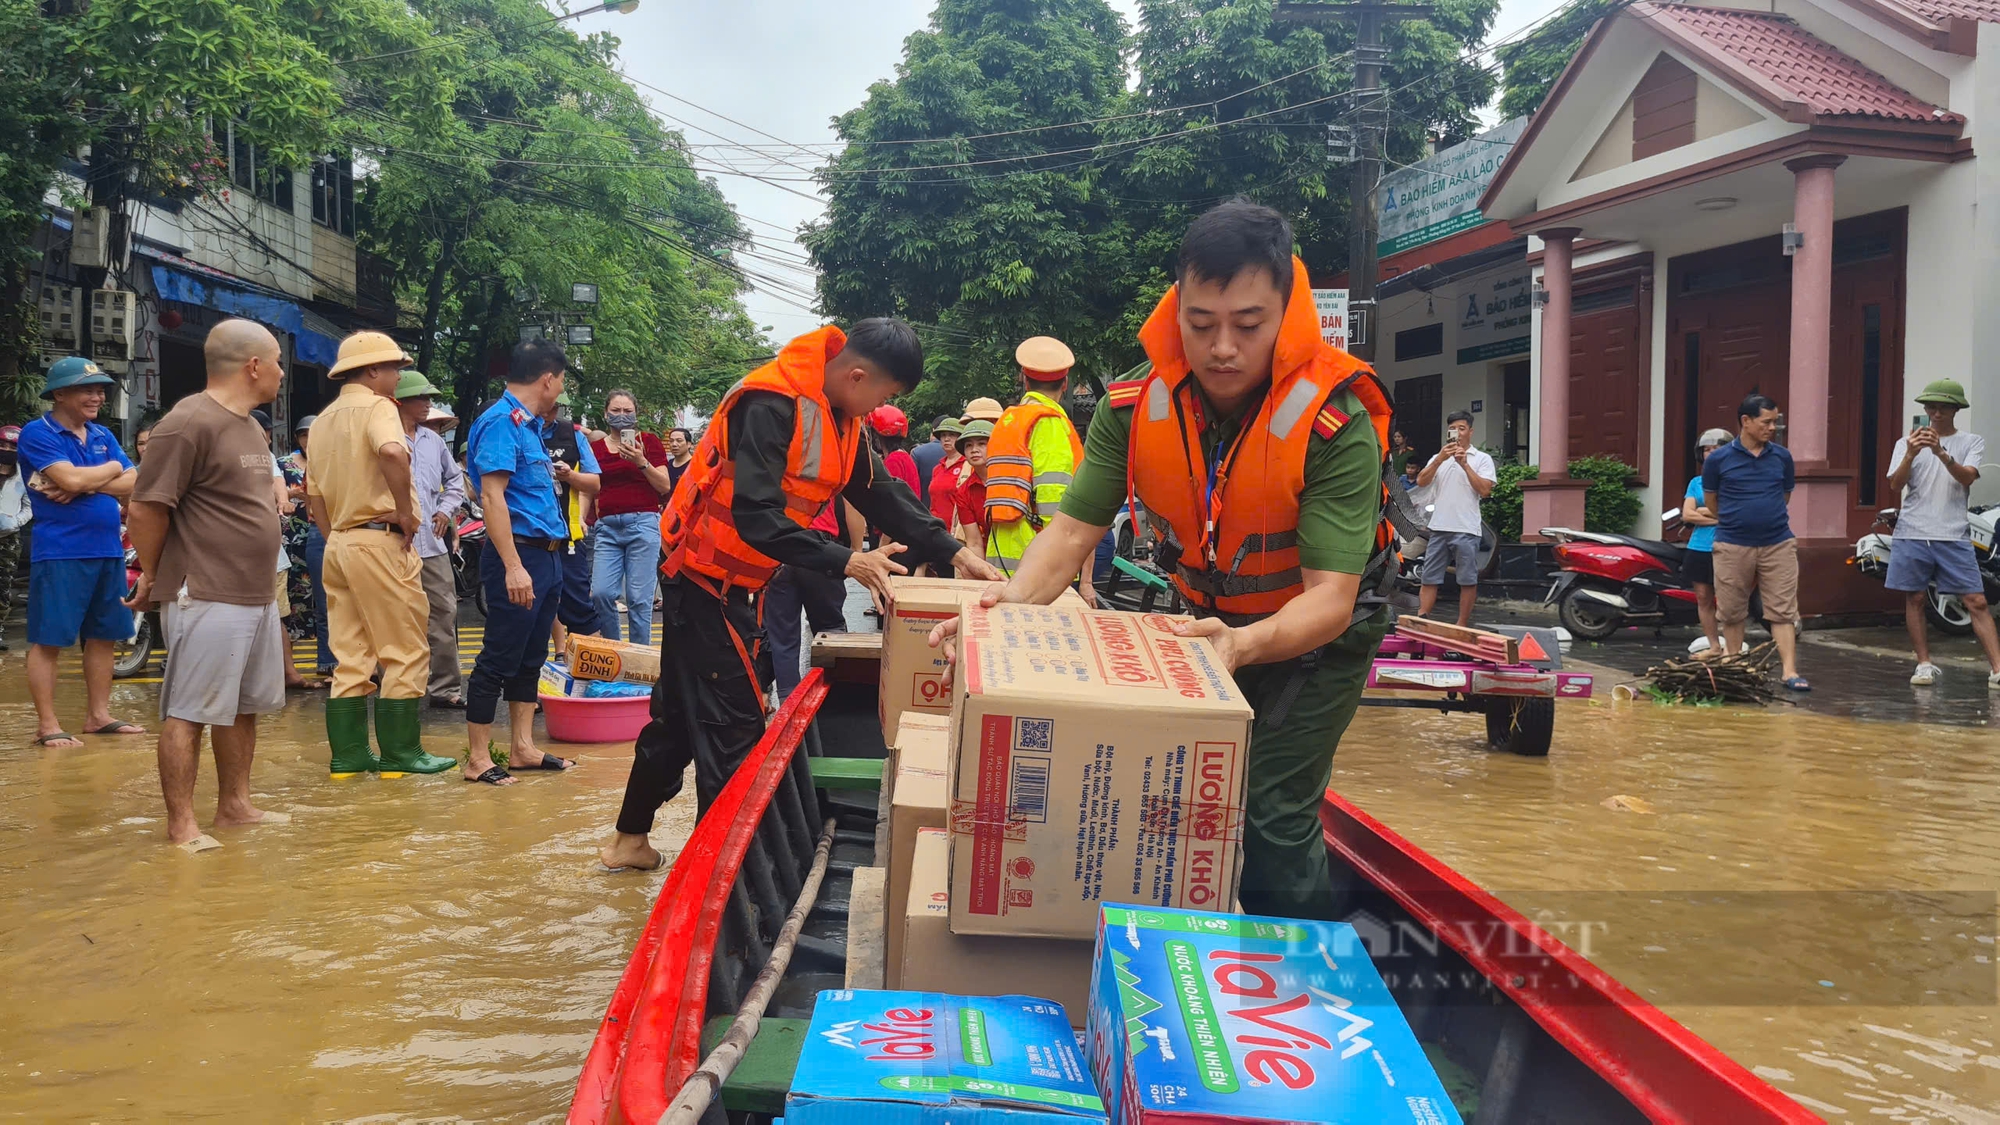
(375, 604)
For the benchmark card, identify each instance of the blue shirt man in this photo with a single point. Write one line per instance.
(507, 438)
(87, 526)
(1749, 491)
(520, 567)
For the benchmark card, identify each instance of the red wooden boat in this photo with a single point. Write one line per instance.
(1547, 1036)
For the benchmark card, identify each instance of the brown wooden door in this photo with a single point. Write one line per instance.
(1728, 335)
(1420, 413)
(1608, 368)
(1865, 375)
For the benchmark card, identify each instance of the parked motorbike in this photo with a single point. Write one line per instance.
(130, 658)
(1610, 581)
(466, 545)
(1945, 612)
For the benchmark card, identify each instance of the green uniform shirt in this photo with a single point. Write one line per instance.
(1337, 511)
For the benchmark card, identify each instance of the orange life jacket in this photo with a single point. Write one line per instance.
(1011, 477)
(698, 531)
(1232, 547)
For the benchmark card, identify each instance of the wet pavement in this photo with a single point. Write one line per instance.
(1860, 673)
(1808, 887)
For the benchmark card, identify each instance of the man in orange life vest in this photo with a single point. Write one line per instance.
(784, 442)
(1257, 449)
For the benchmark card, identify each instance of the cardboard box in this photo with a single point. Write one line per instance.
(594, 658)
(1099, 758)
(556, 680)
(934, 958)
(1223, 1017)
(904, 1058)
(917, 801)
(913, 671)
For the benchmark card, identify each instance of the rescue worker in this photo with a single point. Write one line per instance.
(1258, 450)
(362, 498)
(577, 476)
(786, 440)
(1033, 453)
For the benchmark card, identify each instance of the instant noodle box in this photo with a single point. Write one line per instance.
(1197, 1016)
(903, 1058)
(595, 658)
(1098, 758)
(913, 673)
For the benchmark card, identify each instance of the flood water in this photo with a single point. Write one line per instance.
(428, 950)
(1784, 897)
(412, 950)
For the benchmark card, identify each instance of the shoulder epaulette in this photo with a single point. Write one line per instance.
(1123, 393)
(1328, 421)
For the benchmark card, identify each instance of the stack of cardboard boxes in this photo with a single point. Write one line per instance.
(1063, 820)
(1078, 757)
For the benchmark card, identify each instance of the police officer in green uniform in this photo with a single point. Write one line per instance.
(1239, 318)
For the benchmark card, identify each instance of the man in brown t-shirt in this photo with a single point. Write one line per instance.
(204, 521)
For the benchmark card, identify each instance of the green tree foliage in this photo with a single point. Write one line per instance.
(547, 170)
(999, 230)
(1609, 505)
(39, 124)
(1502, 506)
(1531, 65)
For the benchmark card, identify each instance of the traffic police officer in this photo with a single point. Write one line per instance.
(1033, 454)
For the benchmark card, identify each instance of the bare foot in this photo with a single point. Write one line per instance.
(179, 834)
(105, 724)
(247, 814)
(43, 738)
(631, 853)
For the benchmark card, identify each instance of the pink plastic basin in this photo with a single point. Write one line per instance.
(573, 719)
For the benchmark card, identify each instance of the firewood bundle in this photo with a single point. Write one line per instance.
(1743, 678)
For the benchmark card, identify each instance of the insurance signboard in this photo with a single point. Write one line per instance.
(1439, 196)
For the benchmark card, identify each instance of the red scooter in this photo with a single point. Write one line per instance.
(131, 657)
(1608, 582)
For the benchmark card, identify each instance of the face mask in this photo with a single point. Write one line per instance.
(622, 421)
(7, 458)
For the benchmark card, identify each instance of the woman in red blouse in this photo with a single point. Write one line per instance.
(626, 537)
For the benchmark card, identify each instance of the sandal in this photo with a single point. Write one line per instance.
(446, 702)
(57, 736)
(550, 762)
(118, 726)
(1796, 683)
(494, 775)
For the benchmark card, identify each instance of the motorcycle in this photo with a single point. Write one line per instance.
(1610, 581)
(467, 542)
(1945, 612)
(130, 658)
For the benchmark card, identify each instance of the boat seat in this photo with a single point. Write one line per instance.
(764, 1076)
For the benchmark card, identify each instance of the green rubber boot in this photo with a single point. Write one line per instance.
(399, 734)
(347, 737)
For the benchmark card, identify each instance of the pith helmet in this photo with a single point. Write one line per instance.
(366, 349)
(1044, 355)
(1944, 392)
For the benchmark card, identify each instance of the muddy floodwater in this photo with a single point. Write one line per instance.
(411, 950)
(428, 950)
(1813, 895)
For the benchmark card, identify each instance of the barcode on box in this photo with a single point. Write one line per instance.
(1028, 791)
(1034, 735)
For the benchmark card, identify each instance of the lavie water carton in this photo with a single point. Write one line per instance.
(1098, 758)
(884, 1058)
(1225, 1017)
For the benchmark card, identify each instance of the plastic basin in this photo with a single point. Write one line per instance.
(574, 719)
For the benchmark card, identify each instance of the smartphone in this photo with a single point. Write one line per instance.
(1918, 422)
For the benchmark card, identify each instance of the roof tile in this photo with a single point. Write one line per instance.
(1832, 83)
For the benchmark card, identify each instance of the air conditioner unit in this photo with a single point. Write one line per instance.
(58, 308)
(90, 240)
(111, 324)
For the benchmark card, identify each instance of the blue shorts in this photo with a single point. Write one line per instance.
(70, 599)
(1458, 550)
(1914, 564)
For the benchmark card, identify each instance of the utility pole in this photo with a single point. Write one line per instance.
(1371, 126)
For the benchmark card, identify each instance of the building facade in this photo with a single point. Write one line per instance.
(1784, 199)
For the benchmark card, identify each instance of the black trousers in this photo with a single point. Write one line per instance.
(796, 595)
(707, 706)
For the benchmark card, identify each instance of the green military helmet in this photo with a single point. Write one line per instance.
(412, 384)
(1944, 392)
(74, 371)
